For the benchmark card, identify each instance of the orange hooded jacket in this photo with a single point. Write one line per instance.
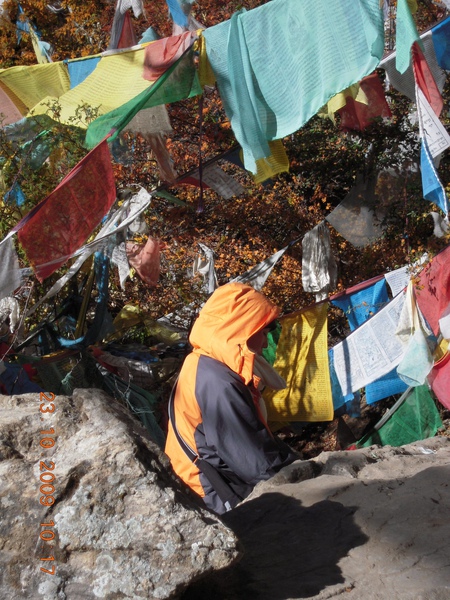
(215, 401)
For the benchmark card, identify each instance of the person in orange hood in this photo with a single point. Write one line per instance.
(218, 439)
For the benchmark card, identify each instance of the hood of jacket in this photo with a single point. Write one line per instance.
(233, 313)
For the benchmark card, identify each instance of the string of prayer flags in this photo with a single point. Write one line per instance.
(404, 82)
(179, 82)
(67, 217)
(117, 222)
(260, 91)
(302, 361)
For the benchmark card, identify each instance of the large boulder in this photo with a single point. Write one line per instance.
(370, 524)
(118, 524)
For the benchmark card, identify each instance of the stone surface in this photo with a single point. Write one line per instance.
(370, 524)
(123, 527)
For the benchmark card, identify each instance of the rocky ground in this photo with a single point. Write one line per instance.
(369, 524)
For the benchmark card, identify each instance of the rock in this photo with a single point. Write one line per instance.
(123, 526)
(369, 524)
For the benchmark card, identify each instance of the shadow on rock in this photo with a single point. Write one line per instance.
(289, 551)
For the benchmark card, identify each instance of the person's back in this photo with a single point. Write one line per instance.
(216, 406)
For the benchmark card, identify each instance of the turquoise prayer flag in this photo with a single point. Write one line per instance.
(406, 35)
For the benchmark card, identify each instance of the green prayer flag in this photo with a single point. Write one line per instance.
(180, 81)
(417, 418)
(406, 35)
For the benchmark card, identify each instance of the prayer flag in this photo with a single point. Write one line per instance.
(441, 40)
(79, 69)
(439, 379)
(358, 307)
(10, 274)
(358, 217)
(163, 53)
(425, 80)
(417, 418)
(257, 275)
(302, 361)
(370, 351)
(66, 218)
(271, 90)
(430, 126)
(404, 82)
(10, 112)
(33, 83)
(432, 188)
(406, 35)
(145, 259)
(319, 269)
(433, 289)
(359, 115)
(177, 13)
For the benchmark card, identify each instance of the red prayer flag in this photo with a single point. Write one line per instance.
(145, 259)
(66, 218)
(425, 80)
(356, 115)
(439, 379)
(127, 37)
(433, 289)
(160, 55)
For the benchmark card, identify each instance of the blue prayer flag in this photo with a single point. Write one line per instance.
(433, 190)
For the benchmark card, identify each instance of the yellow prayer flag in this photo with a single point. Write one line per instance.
(116, 79)
(302, 361)
(33, 83)
(205, 72)
(277, 162)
